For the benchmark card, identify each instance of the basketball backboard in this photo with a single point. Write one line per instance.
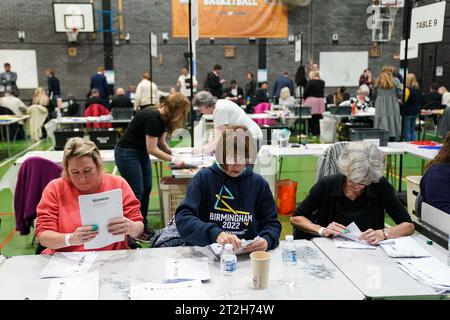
(388, 3)
(69, 16)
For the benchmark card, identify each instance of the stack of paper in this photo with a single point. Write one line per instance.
(69, 264)
(217, 248)
(404, 247)
(430, 271)
(85, 287)
(192, 290)
(351, 239)
(192, 269)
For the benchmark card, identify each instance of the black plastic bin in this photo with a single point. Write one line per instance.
(370, 134)
(104, 138)
(344, 128)
(302, 111)
(62, 135)
(341, 111)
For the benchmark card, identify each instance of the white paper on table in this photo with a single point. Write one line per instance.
(217, 248)
(404, 247)
(68, 264)
(430, 271)
(346, 243)
(99, 209)
(190, 268)
(85, 287)
(355, 233)
(191, 289)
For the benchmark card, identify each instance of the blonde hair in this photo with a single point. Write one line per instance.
(385, 80)
(285, 93)
(314, 74)
(101, 69)
(76, 148)
(172, 106)
(40, 97)
(411, 81)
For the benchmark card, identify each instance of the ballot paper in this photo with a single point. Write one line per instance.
(346, 243)
(99, 209)
(351, 239)
(429, 271)
(193, 289)
(404, 247)
(85, 287)
(217, 248)
(190, 268)
(68, 264)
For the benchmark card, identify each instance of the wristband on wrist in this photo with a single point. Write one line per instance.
(320, 232)
(67, 239)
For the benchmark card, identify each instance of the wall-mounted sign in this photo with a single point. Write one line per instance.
(427, 23)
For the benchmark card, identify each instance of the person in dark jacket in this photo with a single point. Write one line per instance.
(262, 94)
(359, 194)
(94, 98)
(228, 201)
(250, 87)
(435, 183)
(281, 82)
(98, 81)
(411, 109)
(432, 100)
(213, 82)
(314, 97)
(234, 93)
(121, 100)
(54, 89)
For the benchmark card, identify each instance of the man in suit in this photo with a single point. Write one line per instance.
(98, 81)
(214, 84)
(8, 80)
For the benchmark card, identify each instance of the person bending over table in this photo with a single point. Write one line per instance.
(435, 183)
(225, 113)
(146, 134)
(59, 227)
(228, 201)
(358, 194)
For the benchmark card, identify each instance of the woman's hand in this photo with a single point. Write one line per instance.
(225, 237)
(83, 234)
(260, 244)
(334, 229)
(372, 236)
(121, 227)
(177, 161)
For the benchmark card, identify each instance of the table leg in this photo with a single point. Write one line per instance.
(306, 127)
(158, 164)
(400, 174)
(8, 142)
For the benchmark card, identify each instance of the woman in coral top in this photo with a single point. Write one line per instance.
(59, 226)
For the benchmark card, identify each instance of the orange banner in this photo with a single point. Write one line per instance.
(232, 19)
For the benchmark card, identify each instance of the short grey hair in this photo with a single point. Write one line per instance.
(364, 89)
(362, 162)
(204, 98)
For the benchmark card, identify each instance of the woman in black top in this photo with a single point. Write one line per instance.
(146, 134)
(314, 96)
(360, 194)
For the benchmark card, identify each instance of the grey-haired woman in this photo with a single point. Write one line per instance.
(358, 194)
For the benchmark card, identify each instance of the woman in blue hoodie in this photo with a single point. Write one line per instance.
(228, 202)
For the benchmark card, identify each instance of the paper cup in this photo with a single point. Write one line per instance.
(260, 269)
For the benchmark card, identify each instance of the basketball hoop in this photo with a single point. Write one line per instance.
(72, 35)
(385, 19)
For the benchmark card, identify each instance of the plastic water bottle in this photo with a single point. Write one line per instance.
(228, 261)
(289, 251)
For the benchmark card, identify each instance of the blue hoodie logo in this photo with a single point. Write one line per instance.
(228, 196)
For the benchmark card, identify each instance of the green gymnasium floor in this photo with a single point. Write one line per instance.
(302, 170)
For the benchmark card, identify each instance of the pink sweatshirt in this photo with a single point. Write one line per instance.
(59, 210)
